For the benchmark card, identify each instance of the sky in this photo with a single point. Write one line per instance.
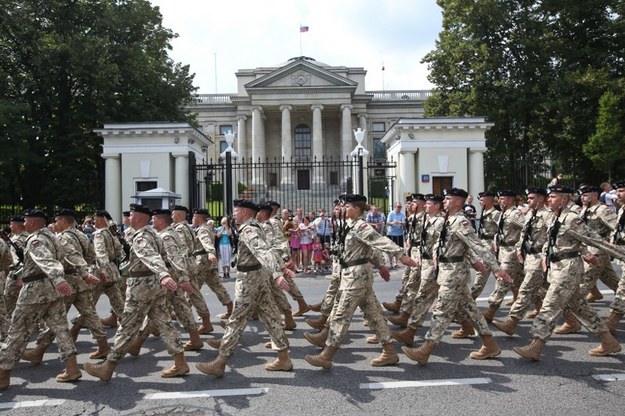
(217, 38)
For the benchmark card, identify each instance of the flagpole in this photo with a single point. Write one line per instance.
(300, 43)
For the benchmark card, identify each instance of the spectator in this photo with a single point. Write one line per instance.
(88, 227)
(317, 256)
(376, 219)
(396, 223)
(323, 227)
(557, 180)
(299, 216)
(306, 233)
(608, 196)
(469, 210)
(223, 234)
(291, 232)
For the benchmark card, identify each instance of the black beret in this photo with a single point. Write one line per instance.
(161, 212)
(35, 213)
(506, 192)
(559, 189)
(140, 209)
(349, 198)
(418, 197)
(105, 214)
(201, 211)
(434, 198)
(245, 203)
(17, 218)
(456, 192)
(409, 197)
(273, 204)
(535, 190)
(336, 202)
(180, 208)
(265, 207)
(66, 212)
(486, 193)
(619, 184)
(588, 188)
(126, 213)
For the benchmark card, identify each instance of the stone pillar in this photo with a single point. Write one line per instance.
(181, 177)
(241, 147)
(258, 135)
(346, 130)
(406, 177)
(317, 142)
(476, 171)
(287, 144)
(362, 121)
(113, 186)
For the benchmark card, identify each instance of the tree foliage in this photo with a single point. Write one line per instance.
(67, 67)
(537, 69)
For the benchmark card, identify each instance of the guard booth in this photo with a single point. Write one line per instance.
(157, 198)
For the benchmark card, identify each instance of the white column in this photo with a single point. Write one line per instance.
(317, 133)
(362, 121)
(258, 135)
(406, 177)
(287, 143)
(346, 130)
(241, 147)
(113, 186)
(476, 171)
(181, 177)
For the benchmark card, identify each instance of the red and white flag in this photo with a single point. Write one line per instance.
(303, 29)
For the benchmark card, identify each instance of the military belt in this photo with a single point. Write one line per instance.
(503, 244)
(146, 273)
(426, 256)
(199, 252)
(357, 262)
(168, 264)
(487, 237)
(534, 251)
(70, 270)
(563, 256)
(451, 259)
(34, 277)
(251, 268)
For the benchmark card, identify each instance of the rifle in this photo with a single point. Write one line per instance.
(480, 228)
(234, 239)
(125, 245)
(499, 235)
(442, 239)
(411, 232)
(553, 235)
(422, 236)
(19, 251)
(526, 244)
(584, 213)
(618, 231)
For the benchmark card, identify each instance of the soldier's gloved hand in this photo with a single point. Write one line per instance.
(213, 259)
(282, 283)
(64, 288)
(407, 261)
(384, 273)
(593, 260)
(480, 267)
(502, 275)
(186, 287)
(169, 283)
(91, 279)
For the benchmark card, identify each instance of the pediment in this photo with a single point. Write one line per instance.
(300, 74)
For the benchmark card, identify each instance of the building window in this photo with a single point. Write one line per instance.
(225, 128)
(272, 179)
(222, 146)
(303, 179)
(379, 150)
(378, 126)
(145, 185)
(303, 142)
(334, 177)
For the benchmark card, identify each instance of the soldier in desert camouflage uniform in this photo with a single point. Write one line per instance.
(40, 299)
(256, 264)
(617, 307)
(147, 282)
(6, 260)
(486, 231)
(18, 238)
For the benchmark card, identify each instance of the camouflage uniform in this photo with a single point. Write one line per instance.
(278, 294)
(39, 299)
(6, 260)
(11, 289)
(276, 239)
(78, 255)
(356, 285)
(144, 294)
(618, 237)
(411, 280)
(257, 262)
(486, 231)
(453, 276)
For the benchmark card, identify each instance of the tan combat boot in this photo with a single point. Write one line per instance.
(228, 311)
(515, 294)
(421, 354)
(373, 339)
(538, 305)
(401, 320)
(207, 326)
(392, 306)
(194, 343)
(111, 321)
(316, 307)
(102, 371)
(135, 345)
(318, 323)
(609, 345)
(570, 326)
(102, 351)
(5, 379)
(302, 307)
(216, 368)
(179, 369)
(71, 373)
(288, 324)
(215, 343)
(509, 327)
(613, 321)
(466, 330)
(318, 339)
(489, 349)
(34, 355)
(405, 336)
(489, 314)
(74, 331)
(531, 351)
(388, 356)
(282, 363)
(594, 295)
(323, 359)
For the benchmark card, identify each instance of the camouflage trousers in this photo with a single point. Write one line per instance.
(296, 294)
(24, 323)
(252, 291)
(328, 299)
(425, 296)
(11, 293)
(515, 270)
(454, 295)
(565, 293)
(5, 318)
(278, 294)
(618, 304)
(529, 293)
(404, 281)
(113, 291)
(178, 302)
(345, 305)
(410, 289)
(144, 297)
(210, 276)
(479, 283)
(605, 272)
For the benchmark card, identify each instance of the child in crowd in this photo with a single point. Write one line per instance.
(317, 257)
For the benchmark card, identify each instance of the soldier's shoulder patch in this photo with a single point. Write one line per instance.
(364, 225)
(465, 223)
(166, 237)
(578, 221)
(35, 243)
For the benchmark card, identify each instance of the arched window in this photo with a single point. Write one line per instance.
(303, 142)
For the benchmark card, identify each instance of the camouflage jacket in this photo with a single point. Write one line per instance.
(176, 254)
(254, 250)
(147, 255)
(108, 250)
(78, 255)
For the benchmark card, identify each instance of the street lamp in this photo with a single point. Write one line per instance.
(360, 151)
(228, 153)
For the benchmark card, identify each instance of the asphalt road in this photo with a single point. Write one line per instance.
(562, 383)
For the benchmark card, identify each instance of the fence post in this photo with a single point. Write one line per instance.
(228, 153)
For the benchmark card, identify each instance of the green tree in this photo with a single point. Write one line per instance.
(67, 67)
